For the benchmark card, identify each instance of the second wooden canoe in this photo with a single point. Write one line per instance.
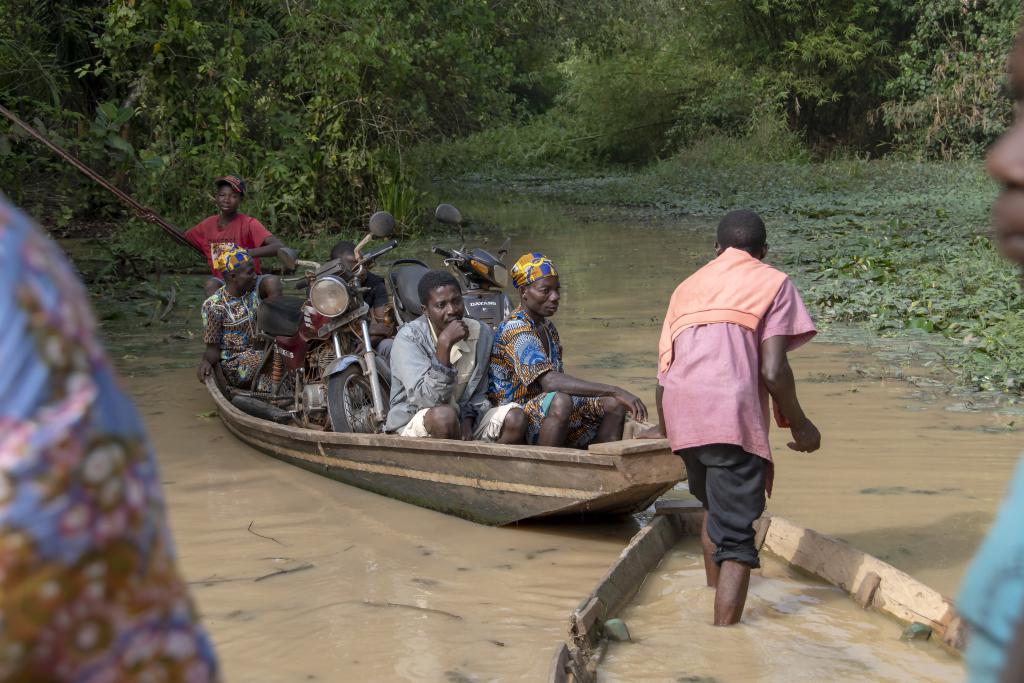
(872, 583)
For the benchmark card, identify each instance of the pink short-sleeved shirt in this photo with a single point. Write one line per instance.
(713, 391)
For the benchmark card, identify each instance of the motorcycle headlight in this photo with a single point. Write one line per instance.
(329, 296)
(501, 275)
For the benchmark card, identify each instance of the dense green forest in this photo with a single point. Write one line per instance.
(333, 108)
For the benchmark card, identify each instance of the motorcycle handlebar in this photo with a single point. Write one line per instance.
(380, 252)
(443, 252)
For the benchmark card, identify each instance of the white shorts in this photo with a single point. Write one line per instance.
(487, 429)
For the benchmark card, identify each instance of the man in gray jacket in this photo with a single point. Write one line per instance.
(439, 367)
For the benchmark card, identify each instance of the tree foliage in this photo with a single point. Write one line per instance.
(923, 79)
(949, 97)
(318, 102)
(313, 101)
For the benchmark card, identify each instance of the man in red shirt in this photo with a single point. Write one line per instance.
(231, 228)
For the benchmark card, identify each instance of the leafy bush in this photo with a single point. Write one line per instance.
(949, 98)
(312, 101)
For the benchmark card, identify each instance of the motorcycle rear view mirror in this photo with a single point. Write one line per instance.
(447, 214)
(382, 224)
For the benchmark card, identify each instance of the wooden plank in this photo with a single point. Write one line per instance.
(898, 594)
(559, 663)
(955, 636)
(411, 472)
(644, 552)
(865, 594)
(761, 526)
(629, 447)
(689, 513)
(677, 507)
(583, 620)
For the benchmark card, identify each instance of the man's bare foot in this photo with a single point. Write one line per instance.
(655, 432)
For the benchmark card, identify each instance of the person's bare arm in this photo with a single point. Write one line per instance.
(567, 384)
(211, 356)
(658, 430)
(777, 376)
(467, 428)
(268, 248)
(380, 330)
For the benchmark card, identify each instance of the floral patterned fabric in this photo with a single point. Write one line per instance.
(230, 323)
(89, 590)
(524, 350)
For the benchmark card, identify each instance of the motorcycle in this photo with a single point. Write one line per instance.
(320, 369)
(482, 275)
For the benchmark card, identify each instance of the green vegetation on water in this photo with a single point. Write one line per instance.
(896, 246)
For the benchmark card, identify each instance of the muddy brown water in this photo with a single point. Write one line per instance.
(792, 630)
(302, 578)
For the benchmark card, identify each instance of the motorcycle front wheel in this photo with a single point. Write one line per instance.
(350, 401)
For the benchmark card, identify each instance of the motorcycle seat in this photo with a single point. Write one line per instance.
(280, 316)
(405, 276)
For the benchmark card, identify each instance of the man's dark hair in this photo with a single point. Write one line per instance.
(433, 279)
(342, 248)
(742, 229)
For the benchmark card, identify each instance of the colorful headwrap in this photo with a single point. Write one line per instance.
(530, 268)
(230, 258)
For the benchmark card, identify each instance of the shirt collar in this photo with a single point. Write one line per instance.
(521, 313)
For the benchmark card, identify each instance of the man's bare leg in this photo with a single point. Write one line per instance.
(612, 423)
(710, 568)
(555, 426)
(442, 422)
(731, 592)
(513, 429)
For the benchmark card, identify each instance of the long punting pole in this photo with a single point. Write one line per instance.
(142, 211)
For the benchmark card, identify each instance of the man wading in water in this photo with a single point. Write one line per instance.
(722, 352)
(231, 228)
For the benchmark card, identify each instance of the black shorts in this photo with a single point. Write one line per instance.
(729, 482)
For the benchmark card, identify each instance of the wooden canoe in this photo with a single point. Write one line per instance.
(484, 482)
(872, 583)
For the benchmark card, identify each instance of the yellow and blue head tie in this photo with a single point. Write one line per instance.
(231, 258)
(530, 268)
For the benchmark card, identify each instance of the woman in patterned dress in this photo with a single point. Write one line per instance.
(89, 587)
(229, 320)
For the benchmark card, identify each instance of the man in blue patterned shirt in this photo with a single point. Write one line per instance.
(526, 368)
